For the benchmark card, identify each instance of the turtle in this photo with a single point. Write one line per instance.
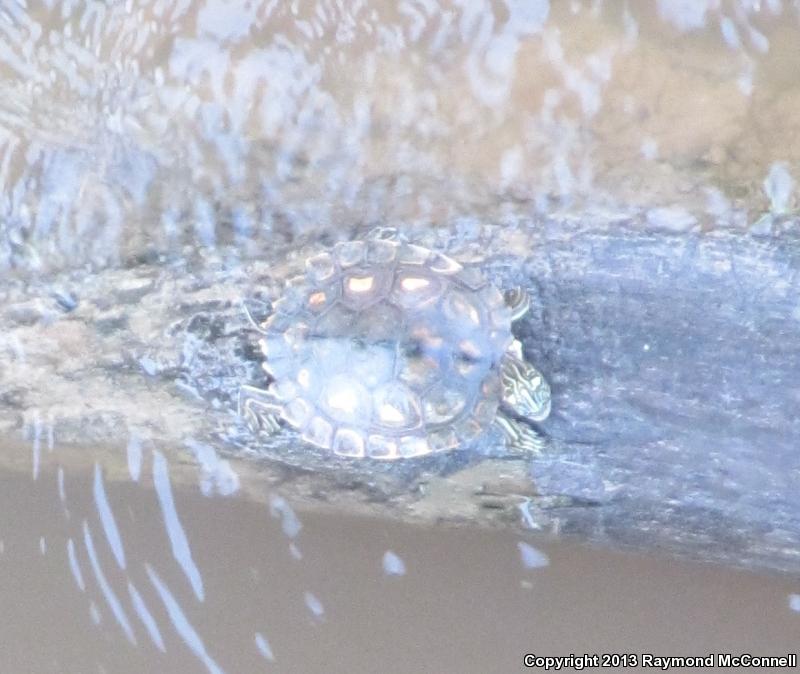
(384, 349)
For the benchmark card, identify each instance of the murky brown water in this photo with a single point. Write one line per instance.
(159, 160)
(328, 593)
(146, 126)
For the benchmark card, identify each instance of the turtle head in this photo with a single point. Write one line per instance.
(525, 390)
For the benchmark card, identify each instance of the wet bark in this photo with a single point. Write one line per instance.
(675, 366)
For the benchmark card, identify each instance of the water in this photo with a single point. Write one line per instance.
(160, 162)
(143, 128)
(367, 593)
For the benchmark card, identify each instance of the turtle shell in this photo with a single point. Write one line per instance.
(387, 350)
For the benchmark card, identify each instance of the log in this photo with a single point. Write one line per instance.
(675, 365)
(674, 360)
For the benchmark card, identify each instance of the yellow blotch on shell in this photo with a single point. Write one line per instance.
(317, 299)
(389, 414)
(345, 400)
(360, 284)
(414, 283)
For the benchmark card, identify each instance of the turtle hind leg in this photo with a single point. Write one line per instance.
(519, 436)
(260, 409)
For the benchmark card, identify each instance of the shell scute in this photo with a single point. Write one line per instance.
(381, 252)
(274, 348)
(361, 289)
(318, 432)
(390, 351)
(413, 445)
(396, 406)
(492, 298)
(350, 253)
(345, 399)
(379, 325)
(442, 439)
(298, 412)
(348, 442)
(335, 323)
(381, 447)
(319, 301)
(320, 268)
(442, 264)
(296, 334)
(412, 290)
(471, 277)
(411, 254)
(460, 308)
(443, 404)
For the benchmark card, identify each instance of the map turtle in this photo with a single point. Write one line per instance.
(388, 350)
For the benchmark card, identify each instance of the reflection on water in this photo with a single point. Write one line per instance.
(146, 126)
(158, 160)
(368, 595)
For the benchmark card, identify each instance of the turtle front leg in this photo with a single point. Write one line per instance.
(518, 435)
(260, 408)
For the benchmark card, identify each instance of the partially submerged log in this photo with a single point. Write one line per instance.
(674, 360)
(675, 366)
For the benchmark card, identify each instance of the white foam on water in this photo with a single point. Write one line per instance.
(109, 595)
(759, 41)
(649, 148)
(685, 15)
(393, 565)
(717, 204)
(730, 33)
(217, 476)
(36, 446)
(526, 515)
(779, 187)
(671, 219)
(146, 617)
(531, 557)
(74, 566)
(314, 605)
(745, 82)
(95, 614)
(107, 517)
(177, 536)
(134, 451)
(290, 523)
(263, 647)
(182, 625)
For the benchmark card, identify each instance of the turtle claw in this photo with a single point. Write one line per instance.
(260, 409)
